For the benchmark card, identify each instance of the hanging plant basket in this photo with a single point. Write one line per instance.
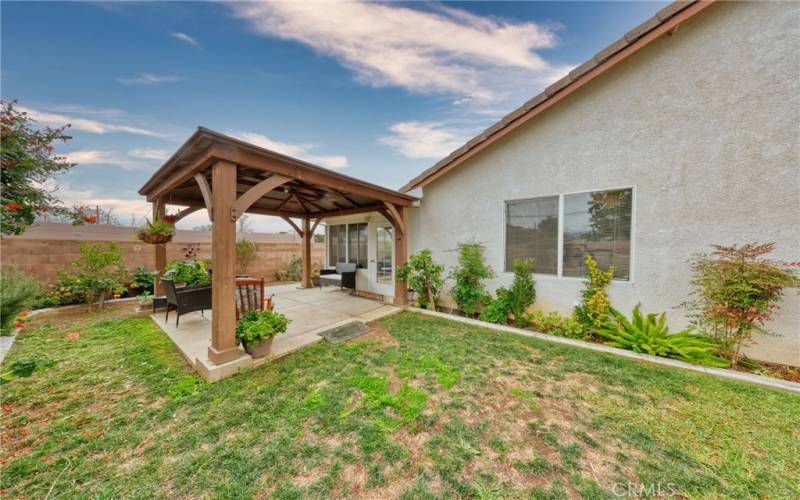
(154, 239)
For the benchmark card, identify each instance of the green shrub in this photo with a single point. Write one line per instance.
(497, 309)
(256, 326)
(143, 279)
(246, 254)
(595, 304)
(650, 335)
(523, 290)
(187, 272)
(737, 291)
(293, 272)
(424, 277)
(553, 323)
(17, 291)
(24, 367)
(469, 291)
(101, 271)
(69, 289)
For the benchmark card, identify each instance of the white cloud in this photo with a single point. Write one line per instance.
(149, 79)
(441, 49)
(425, 139)
(300, 151)
(84, 124)
(110, 158)
(149, 154)
(186, 38)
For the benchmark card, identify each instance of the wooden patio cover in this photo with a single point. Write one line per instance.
(229, 177)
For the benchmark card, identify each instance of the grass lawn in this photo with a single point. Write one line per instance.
(425, 408)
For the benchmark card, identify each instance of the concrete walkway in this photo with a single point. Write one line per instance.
(310, 312)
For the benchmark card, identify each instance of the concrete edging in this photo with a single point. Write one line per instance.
(773, 383)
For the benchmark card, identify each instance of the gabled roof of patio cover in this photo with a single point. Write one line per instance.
(301, 189)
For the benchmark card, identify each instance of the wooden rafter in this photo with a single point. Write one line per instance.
(296, 228)
(205, 189)
(253, 194)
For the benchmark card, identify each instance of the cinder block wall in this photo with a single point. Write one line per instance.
(44, 257)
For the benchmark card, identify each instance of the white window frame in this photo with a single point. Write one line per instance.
(560, 237)
(346, 244)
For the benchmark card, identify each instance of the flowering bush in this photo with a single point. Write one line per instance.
(67, 290)
(737, 290)
(28, 162)
(595, 304)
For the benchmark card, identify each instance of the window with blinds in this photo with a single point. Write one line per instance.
(336, 245)
(598, 223)
(532, 231)
(357, 244)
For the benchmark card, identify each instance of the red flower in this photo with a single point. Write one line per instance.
(169, 219)
(24, 314)
(91, 219)
(13, 206)
(19, 324)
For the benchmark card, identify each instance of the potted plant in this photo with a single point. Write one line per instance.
(145, 301)
(157, 232)
(257, 329)
(187, 272)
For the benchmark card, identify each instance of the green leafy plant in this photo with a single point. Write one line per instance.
(293, 271)
(143, 279)
(523, 290)
(101, 271)
(553, 323)
(737, 291)
(157, 232)
(25, 367)
(650, 335)
(424, 276)
(498, 308)
(187, 272)
(256, 326)
(246, 254)
(469, 292)
(17, 291)
(593, 311)
(144, 299)
(28, 162)
(69, 289)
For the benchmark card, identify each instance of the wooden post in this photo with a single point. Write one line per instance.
(400, 255)
(307, 237)
(223, 258)
(161, 250)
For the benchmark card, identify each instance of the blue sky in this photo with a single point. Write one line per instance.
(378, 91)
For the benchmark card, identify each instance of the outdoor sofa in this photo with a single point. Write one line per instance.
(344, 276)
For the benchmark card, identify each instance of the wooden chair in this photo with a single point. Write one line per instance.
(250, 296)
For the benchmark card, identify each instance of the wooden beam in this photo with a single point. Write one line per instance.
(205, 189)
(296, 228)
(185, 174)
(244, 202)
(257, 161)
(307, 236)
(316, 223)
(159, 207)
(189, 202)
(186, 211)
(348, 211)
(400, 258)
(223, 260)
(399, 222)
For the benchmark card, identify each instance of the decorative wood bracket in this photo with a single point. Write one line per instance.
(205, 189)
(291, 223)
(314, 226)
(186, 211)
(252, 195)
(399, 223)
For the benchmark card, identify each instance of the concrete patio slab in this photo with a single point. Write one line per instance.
(310, 312)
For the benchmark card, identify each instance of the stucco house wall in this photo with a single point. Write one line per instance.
(703, 124)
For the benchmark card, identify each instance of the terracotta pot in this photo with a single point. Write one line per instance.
(260, 349)
(154, 239)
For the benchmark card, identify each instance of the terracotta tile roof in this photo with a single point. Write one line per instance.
(665, 19)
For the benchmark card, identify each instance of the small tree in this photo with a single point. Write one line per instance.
(469, 291)
(737, 291)
(595, 304)
(424, 276)
(28, 162)
(246, 254)
(101, 271)
(523, 290)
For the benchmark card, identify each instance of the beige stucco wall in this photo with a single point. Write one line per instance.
(704, 124)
